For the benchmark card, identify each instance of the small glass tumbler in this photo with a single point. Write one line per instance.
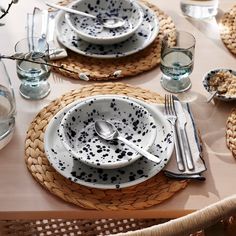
(32, 68)
(177, 54)
(199, 9)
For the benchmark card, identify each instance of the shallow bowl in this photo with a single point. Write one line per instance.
(229, 84)
(132, 120)
(92, 31)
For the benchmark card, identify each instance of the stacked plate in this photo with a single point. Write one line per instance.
(67, 33)
(75, 150)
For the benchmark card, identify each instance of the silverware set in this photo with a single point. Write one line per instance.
(175, 114)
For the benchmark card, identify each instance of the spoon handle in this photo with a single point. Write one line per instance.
(145, 153)
(69, 10)
(212, 96)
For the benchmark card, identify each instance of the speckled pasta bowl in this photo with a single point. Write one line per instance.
(223, 82)
(93, 31)
(133, 121)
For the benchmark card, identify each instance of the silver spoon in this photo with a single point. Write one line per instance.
(212, 96)
(110, 22)
(108, 131)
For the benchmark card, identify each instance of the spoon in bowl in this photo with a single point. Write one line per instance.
(108, 131)
(111, 22)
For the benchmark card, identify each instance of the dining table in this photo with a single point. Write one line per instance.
(22, 197)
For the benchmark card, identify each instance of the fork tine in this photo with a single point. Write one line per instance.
(167, 104)
(166, 112)
(173, 105)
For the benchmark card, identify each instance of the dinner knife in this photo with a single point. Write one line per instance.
(181, 122)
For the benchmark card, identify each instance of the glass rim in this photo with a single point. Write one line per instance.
(31, 38)
(185, 32)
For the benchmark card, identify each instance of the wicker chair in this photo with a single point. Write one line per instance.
(216, 219)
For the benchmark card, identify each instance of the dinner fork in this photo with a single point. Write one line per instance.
(172, 118)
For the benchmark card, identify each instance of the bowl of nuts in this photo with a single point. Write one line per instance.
(222, 82)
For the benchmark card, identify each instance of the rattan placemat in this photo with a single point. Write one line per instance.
(231, 132)
(149, 193)
(228, 29)
(107, 69)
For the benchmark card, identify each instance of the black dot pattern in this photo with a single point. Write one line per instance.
(104, 10)
(207, 86)
(145, 35)
(133, 122)
(78, 172)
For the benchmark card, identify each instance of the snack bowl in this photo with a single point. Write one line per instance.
(223, 81)
(133, 121)
(91, 30)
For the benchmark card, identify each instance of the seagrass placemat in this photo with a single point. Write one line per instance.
(149, 193)
(228, 29)
(231, 132)
(107, 69)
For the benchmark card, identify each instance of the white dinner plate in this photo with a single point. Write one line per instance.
(130, 175)
(143, 37)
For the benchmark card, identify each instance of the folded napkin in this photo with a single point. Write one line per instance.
(42, 23)
(171, 170)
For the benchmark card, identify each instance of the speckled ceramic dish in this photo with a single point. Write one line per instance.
(143, 37)
(230, 87)
(133, 174)
(133, 122)
(91, 30)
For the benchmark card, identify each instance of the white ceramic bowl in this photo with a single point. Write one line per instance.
(92, 31)
(220, 96)
(132, 120)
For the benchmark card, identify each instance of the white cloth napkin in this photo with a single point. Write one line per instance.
(171, 169)
(36, 26)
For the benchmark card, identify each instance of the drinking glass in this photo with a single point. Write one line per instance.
(177, 54)
(7, 107)
(199, 9)
(31, 69)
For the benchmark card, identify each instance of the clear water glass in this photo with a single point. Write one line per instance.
(199, 9)
(7, 107)
(177, 59)
(32, 70)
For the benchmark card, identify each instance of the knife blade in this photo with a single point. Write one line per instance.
(182, 121)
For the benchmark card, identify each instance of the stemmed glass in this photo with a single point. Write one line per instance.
(33, 70)
(177, 57)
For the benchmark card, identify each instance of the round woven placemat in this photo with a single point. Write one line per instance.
(228, 29)
(107, 69)
(231, 132)
(149, 193)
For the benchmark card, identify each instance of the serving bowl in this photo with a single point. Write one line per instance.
(133, 121)
(221, 81)
(91, 30)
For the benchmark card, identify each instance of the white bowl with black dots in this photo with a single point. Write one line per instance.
(78, 172)
(226, 86)
(133, 121)
(91, 30)
(142, 38)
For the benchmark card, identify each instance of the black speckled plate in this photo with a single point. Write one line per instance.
(133, 122)
(135, 173)
(143, 37)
